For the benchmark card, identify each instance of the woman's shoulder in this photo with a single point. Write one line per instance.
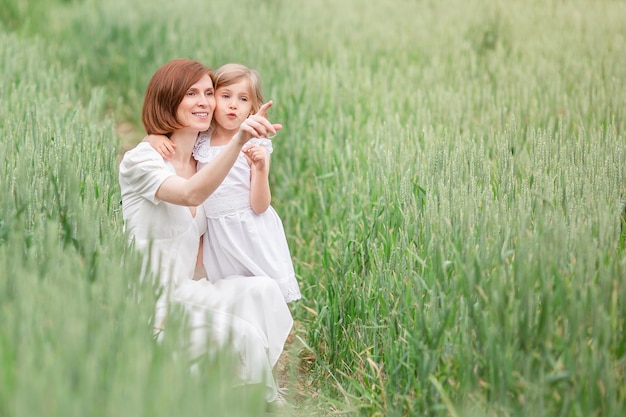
(143, 152)
(142, 171)
(141, 159)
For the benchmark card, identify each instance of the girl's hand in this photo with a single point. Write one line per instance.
(257, 156)
(162, 144)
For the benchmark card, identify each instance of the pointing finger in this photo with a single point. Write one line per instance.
(264, 108)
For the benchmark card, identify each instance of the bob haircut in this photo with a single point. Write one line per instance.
(165, 91)
(229, 74)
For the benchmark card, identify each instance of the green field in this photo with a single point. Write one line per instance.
(451, 177)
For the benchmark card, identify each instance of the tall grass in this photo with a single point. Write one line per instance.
(74, 337)
(450, 175)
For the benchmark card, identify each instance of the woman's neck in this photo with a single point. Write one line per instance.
(183, 160)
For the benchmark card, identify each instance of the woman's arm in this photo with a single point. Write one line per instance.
(196, 189)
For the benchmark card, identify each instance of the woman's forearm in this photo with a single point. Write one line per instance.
(193, 191)
(209, 177)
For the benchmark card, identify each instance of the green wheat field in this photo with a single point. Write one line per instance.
(451, 177)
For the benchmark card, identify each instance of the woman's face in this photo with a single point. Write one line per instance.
(234, 104)
(195, 111)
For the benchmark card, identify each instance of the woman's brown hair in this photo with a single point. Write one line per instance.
(165, 91)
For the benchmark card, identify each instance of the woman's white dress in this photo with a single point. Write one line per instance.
(239, 241)
(248, 314)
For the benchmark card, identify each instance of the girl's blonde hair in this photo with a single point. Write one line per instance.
(232, 73)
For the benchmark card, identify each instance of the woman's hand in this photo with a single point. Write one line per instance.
(257, 126)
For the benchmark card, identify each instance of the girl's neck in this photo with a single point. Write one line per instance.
(221, 136)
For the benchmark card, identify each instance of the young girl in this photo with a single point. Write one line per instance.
(245, 234)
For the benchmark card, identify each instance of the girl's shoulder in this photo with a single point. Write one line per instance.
(202, 148)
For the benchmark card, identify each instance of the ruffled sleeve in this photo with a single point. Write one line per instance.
(264, 142)
(202, 148)
(142, 171)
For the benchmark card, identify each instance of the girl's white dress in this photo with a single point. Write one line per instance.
(248, 315)
(239, 241)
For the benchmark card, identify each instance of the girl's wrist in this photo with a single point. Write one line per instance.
(260, 170)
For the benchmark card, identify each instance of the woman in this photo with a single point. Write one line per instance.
(161, 206)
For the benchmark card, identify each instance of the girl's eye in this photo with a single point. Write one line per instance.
(244, 98)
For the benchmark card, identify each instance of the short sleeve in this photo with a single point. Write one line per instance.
(266, 143)
(142, 171)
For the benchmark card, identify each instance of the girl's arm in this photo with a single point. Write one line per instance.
(162, 144)
(260, 194)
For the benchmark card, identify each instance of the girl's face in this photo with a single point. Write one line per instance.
(195, 111)
(233, 104)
